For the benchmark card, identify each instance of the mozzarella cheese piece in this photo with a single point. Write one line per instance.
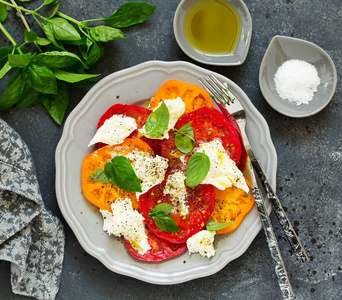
(176, 109)
(202, 242)
(128, 222)
(175, 187)
(114, 130)
(223, 172)
(149, 169)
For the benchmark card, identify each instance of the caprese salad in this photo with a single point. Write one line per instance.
(166, 177)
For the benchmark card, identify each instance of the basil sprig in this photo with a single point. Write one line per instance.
(197, 169)
(158, 121)
(185, 139)
(47, 76)
(214, 226)
(120, 172)
(160, 215)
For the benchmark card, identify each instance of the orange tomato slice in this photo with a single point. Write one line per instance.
(104, 194)
(193, 96)
(232, 204)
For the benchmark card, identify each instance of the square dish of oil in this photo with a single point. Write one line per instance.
(214, 32)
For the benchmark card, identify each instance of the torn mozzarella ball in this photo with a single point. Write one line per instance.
(223, 172)
(114, 130)
(128, 222)
(202, 242)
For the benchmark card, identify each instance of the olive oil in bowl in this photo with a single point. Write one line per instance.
(213, 27)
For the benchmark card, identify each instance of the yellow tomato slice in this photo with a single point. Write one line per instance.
(193, 96)
(104, 194)
(232, 204)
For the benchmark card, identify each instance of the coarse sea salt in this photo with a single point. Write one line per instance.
(296, 81)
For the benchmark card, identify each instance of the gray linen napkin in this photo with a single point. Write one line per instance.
(31, 238)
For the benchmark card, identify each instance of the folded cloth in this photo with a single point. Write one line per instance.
(31, 238)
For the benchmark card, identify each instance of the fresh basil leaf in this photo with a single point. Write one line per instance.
(19, 60)
(56, 105)
(42, 79)
(30, 36)
(162, 207)
(99, 175)
(13, 91)
(185, 139)
(50, 36)
(75, 43)
(84, 83)
(120, 172)
(165, 222)
(43, 41)
(4, 70)
(50, 2)
(130, 14)
(95, 55)
(197, 169)
(30, 97)
(24, 0)
(63, 30)
(213, 226)
(58, 59)
(4, 55)
(105, 33)
(72, 77)
(160, 216)
(158, 121)
(3, 12)
(86, 48)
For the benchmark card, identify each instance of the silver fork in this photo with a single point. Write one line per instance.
(223, 97)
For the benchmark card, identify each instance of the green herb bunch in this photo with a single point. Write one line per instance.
(47, 75)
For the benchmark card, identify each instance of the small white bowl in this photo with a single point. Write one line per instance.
(231, 59)
(283, 48)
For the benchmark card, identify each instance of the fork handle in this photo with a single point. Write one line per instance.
(283, 280)
(285, 223)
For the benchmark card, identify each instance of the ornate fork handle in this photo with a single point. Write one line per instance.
(283, 280)
(280, 213)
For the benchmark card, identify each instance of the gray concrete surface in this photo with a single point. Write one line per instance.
(309, 160)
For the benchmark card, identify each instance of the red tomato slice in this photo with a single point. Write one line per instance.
(209, 124)
(160, 249)
(154, 144)
(137, 112)
(201, 203)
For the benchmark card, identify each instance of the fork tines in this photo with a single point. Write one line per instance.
(217, 90)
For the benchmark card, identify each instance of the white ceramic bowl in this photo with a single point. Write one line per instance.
(128, 87)
(283, 48)
(232, 59)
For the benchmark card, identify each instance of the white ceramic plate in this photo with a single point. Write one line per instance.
(129, 86)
